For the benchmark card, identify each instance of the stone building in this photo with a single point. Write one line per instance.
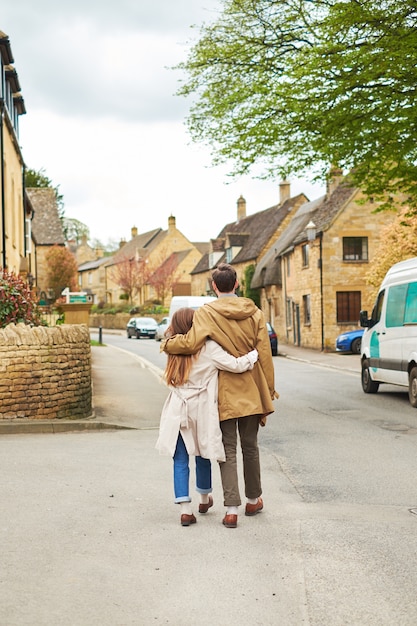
(160, 256)
(15, 212)
(46, 232)
(243, 242)
(313, 278)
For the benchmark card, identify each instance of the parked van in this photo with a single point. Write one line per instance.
(389, 343)
(192, 302)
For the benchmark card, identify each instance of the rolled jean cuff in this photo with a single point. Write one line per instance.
(204, 491)
(182, 499)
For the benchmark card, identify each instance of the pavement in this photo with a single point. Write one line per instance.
(89, 534)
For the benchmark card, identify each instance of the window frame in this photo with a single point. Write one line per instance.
(348, 306)
(350, 249)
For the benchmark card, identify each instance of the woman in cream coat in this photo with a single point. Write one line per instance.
(190, 418)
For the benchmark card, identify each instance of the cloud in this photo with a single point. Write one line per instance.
(103, 122)
(93, 59)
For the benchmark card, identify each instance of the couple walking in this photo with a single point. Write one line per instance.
(219, 368)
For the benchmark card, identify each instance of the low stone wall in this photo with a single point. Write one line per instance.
(45, 373)
(117, 321)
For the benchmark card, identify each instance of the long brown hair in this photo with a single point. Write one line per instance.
(178, 366)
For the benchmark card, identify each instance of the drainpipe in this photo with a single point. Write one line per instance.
(321, 289)
(284, 284)
(2, 198)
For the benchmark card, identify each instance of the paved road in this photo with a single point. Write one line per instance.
(89, 534)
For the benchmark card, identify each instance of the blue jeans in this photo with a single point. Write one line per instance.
(182, 473)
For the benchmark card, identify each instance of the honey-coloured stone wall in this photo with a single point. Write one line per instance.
(45, 373)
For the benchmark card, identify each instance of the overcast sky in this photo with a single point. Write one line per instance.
(103, 121)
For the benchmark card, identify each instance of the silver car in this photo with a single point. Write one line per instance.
(141, 327)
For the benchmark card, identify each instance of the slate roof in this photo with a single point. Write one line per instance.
(322, 211)
(93, 265)
(203, 265)
(144, 242)
(46, 225)
(256, 230)
(202, 246)
(252, 233)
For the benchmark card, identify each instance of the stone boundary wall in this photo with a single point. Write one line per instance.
(45, 373)
(118, 321)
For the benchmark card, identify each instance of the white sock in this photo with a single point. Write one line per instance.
(232, 510)
(252, 500)
(186, 508)
(204, 498)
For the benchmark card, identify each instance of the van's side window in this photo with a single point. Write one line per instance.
(410, 315)
(377, 310)
(396, 305)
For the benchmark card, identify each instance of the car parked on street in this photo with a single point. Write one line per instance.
(350, 341)
(141, 327)
(162, 326)
(273, 339)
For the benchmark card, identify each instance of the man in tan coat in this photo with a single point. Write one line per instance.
(244, 399)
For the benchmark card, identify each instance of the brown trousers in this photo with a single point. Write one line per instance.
(248, 432)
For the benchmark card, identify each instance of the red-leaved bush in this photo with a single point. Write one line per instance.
(17, 303)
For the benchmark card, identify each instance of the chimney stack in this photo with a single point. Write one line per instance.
(171, 223)
(284, 191)
(334, 178)
(134, 232)
(241, 208)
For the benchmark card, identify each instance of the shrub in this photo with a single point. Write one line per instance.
(17, 303)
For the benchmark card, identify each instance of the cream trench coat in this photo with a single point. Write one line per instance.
(192, 409)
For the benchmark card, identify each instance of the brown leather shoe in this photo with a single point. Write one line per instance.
(186, 520)
(230, 521)
(203, 508)
(253, 509)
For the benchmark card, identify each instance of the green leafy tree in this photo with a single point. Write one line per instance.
(294, 86)
(109, 248)
(253, 294)
(62, 270)
(74, 230)
(34, 178)
(17, 302)
(398, 243)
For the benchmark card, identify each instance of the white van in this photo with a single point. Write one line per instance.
(389, 343)
(191, 302)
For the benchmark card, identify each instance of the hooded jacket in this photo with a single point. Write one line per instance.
(239, 326)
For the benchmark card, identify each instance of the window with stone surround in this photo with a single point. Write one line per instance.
(304, 254)
(348, 306)
(307, 309)
(355, 248)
